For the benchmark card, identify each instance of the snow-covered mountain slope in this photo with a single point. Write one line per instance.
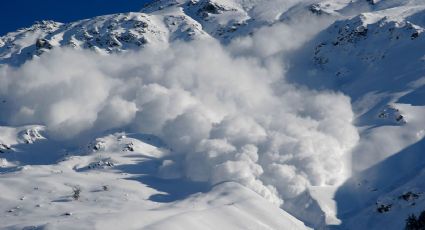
(112, 182)
(376, 57)
(160, 22)
(104, 34)
(254, 108)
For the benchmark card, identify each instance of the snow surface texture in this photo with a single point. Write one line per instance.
(235, 108)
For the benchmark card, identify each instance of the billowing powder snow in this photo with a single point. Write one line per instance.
(227, 113)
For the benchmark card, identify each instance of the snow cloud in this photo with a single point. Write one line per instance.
(226, 111)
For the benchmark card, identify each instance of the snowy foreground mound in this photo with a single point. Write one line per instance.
(111, 185)
(216, 114)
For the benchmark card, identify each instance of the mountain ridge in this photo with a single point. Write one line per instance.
(372, 51)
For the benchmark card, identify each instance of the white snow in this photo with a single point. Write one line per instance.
(216, 114)
(127, 193)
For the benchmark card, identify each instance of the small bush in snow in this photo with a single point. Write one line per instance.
(76, 193)
(414, 223)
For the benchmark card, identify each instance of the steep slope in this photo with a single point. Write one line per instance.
(377, 59)
(370, 50)
(103, 34)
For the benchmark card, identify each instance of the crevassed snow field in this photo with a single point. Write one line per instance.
(216, 114)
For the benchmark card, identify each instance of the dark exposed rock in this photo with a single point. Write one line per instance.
(414, 35)
(42, 43)
(382, 208)
(409, 196)
(4, 148)
(100, 164)
(315, 9)
(140, 24)
(129, 147)
(212, 8)
(373, 2)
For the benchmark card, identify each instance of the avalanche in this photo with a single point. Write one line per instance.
(216, 114)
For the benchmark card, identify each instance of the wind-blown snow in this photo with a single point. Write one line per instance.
(225, 118)
(192, 96)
